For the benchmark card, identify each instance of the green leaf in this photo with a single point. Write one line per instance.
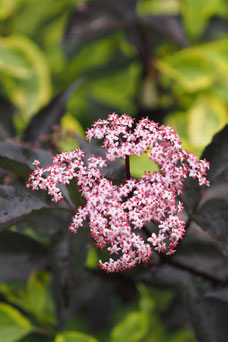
(118, 90)
(38, 299)
(13, 325)
(132, 329)
(158, 7)
(207, 116)
(25, 73)
(140, 164)
(70, 125)
(189, 68)
(217, 54)
(17, 202)
(73, 336)
(196, 14)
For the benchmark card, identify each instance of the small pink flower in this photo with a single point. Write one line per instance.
(117, 214)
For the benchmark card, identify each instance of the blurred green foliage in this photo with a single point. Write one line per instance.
(164, 59)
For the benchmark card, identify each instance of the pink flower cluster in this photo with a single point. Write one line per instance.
(118, 213)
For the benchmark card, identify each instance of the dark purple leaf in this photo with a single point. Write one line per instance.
(113, 170)
(166, 25)
(217, 154)
(95, 19)
(213, 217)
(43, 121)
(19, 256)
(18, 158)
(208, 316)
(7, 110)
(17, 202)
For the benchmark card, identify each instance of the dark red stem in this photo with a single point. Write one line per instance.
(127, 167)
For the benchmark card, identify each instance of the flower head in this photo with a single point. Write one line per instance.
(117, 214)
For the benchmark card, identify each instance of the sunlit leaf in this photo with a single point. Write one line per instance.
(158, 7)
(207, 116)
(189, 68)
(13, 325)
(73, 336)
(133, 328)
(25, 73)
(196, 14)
(138, 165)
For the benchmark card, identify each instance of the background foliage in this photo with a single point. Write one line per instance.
(63, 65)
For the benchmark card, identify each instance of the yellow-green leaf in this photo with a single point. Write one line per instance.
(217, 54)
(73, 336)
(207, 116)
(132, 329)
(196, 14)
(25, 74)
(190, 68)
(140, 164)
(158, 7)
(13, 325)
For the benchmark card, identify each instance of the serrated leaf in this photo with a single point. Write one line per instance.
(17, 202)
(13, 325)
(73, 336)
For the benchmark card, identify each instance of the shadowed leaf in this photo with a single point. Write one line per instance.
(213, 217)
(42, 122)
(17, 202)
(7, 110)
(20, 253)
(18, 158)
(113, 170)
